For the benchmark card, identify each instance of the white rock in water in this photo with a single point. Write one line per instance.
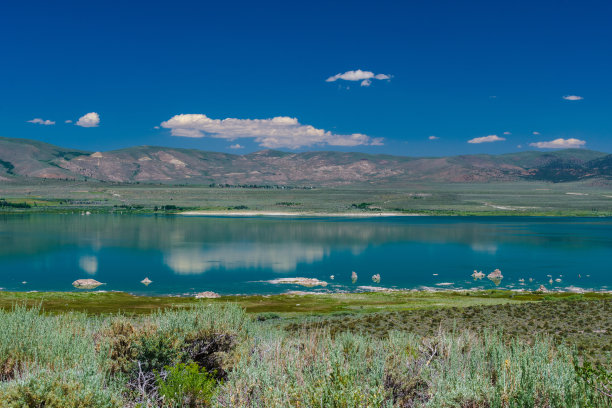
(354, 276)
(331, 277)
(478, 275)
(376, 278)
(496, 276)
(146, 281)
(308, 282)
(542, 289)
(207, 295)
(86, 283)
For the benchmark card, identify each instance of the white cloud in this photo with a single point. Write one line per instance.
(68, 121)
(507, 133)
(155, 127)
(559, 144)
(237, 146)
(89, 264)
(281, 131)
(91, 119)
(358, 75)
(536, 133)
(573, 98)
(39, 121)
(433, 137)
(486, 139)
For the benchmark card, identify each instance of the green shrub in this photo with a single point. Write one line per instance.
(49, 390)
(121, 337)
(156, 351)
(186, 385)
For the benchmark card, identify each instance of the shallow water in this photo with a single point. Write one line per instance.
(238, 255)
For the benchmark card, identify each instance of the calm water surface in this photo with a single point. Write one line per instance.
(239, 255)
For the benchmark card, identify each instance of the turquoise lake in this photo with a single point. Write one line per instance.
(239, 255)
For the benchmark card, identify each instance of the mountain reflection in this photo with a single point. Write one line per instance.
(282, 242)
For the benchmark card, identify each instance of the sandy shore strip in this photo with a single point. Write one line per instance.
(296, 214)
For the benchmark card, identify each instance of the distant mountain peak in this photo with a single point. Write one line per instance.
(29, 158)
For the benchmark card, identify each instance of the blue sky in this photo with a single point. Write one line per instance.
(457, 70)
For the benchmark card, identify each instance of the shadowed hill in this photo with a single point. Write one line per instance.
(28, 158)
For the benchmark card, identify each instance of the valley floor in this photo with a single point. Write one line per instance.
(503, 198)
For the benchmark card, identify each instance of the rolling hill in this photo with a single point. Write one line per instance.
(22, 158)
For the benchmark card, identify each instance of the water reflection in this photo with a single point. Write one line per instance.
(229, 254)
(279, 258)
(89, 264)
(35, 234)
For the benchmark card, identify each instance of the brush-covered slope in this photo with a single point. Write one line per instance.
(20, 157)
(23, 157)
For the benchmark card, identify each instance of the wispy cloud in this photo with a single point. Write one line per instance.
(68, 121)
(507, 133)
(40, 121)
(486, 139)
(358, 75)
(536, 133)
(281, 131)
(237, 146)
(559, 144)
(573, 98)
(91, 119)
(433, 137)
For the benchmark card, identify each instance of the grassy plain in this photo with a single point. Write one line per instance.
(512, 198)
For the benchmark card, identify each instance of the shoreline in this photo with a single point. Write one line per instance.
(296, 214)
(303, 291)
(292, 302)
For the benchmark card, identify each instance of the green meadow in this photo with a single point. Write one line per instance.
(585, 198)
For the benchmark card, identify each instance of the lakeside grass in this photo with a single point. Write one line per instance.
(291, 304)
(216, 355)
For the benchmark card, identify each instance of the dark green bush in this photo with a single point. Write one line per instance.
(186, 385)
(156, 351)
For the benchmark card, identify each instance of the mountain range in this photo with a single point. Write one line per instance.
(23, 158)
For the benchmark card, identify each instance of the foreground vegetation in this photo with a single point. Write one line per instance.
(214, 354)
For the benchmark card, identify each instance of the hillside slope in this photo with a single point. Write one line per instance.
(28, 158)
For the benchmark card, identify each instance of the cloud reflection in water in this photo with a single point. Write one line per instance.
(278, 257)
